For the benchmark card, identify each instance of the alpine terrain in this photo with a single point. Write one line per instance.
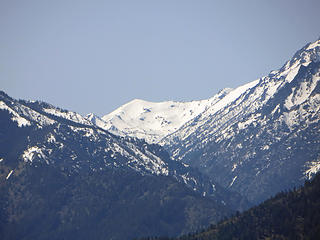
(293, 214)
(154, 169)
(257, 139)
(61, 176)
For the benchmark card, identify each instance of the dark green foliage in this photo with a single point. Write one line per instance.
(288, 215)
(45, 202)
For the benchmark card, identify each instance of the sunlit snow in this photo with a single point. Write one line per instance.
(152, 121)
(31, 153)
(312, 169)
(9, 174)
(20, 120)
(233, 180)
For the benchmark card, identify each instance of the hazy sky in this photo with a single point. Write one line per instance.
(93, 56)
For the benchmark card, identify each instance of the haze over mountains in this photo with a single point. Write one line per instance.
(158, 168)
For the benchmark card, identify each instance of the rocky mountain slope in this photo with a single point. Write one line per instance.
(58, 168)
(292, 214)
(256, 139)
(267, 139)
(47, 202)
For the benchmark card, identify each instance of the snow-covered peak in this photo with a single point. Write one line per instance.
(310, 53)
(313, 45)
(254, 135)
(154, 120)
(303, 57)
(245, 100)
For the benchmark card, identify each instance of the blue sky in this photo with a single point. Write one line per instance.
(93, 56)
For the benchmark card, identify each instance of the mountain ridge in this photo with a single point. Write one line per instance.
(288, 70)
(52, 160)
(254, 140)
(277, 112)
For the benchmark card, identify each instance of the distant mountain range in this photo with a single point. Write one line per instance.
(58, 170)
(257, 139)
(266, 140)
(158, 168)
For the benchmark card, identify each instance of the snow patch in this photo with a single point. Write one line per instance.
(16, 117)
(97, 121)
(72, 116)
(292, 74)
(234, 167)
(243, 125)
(152, 120)
(232, 96)
(291, 118)
(31, 153)
(51, 139)
(312, 169)
(302, 93)
(313, 45)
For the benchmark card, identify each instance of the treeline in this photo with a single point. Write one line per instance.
(291, 214)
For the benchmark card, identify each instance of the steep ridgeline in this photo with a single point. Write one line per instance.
(60, 173)
(265, 140)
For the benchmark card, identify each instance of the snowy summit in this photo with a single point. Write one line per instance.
(153, 121)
